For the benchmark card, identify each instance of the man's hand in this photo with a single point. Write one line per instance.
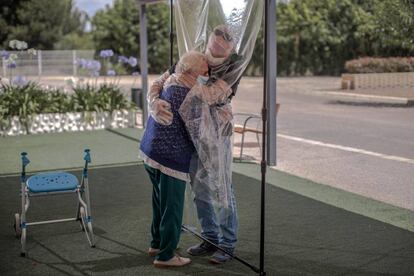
(214, 93)
(160, 110)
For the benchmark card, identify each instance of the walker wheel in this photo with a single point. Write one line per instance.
(17, 225)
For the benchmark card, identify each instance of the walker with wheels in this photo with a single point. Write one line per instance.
(54, 183)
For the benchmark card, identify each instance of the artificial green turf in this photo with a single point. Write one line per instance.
(303, 236)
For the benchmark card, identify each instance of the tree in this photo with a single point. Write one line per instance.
(395, 19)
(117, 28)
(42, 23)
(319, 36)
(75, 40)
(8, 18)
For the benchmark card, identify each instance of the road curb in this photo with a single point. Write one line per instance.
(365, 98)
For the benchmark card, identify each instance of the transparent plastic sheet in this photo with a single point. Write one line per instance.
(196, 19)
(210, 128)
(210, 124)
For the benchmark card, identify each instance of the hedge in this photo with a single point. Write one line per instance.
(380, 65)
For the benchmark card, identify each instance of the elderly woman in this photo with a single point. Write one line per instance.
(166, 151)
(210, 168)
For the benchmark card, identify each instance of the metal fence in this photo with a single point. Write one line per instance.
(47, 63)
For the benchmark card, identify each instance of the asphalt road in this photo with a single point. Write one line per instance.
(365, 148)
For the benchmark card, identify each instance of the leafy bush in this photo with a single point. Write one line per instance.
(380, 65)
(27, 100)
(106, 97)
(110, 98)
(85, 98)
(55, 101)
(22, 101)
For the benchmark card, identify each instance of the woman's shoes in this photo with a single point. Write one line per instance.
(152, 252)
(173, 262)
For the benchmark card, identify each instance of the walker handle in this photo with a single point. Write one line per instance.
(25, 160)
(87, 156)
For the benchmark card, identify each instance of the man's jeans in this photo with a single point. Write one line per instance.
(219, 227)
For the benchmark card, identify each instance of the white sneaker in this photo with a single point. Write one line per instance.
(174, 261)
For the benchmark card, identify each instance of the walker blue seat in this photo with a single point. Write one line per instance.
(52, 182)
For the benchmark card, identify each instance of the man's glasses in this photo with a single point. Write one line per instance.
(225, 35)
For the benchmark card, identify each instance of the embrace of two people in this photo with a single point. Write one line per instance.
(171, 144)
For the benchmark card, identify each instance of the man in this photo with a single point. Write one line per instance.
(223, 62)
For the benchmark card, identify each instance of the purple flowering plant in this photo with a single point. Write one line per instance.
(106, 53)
(10, 60)
(19, 81)
(130, 63)
(110, 66)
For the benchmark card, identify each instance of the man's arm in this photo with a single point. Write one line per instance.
(234, 88)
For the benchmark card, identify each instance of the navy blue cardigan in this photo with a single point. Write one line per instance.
(170, 145)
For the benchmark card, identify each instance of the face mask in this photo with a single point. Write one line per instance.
(214, 61)
(202, 79)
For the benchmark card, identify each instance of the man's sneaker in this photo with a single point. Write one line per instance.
(173, 262)
(201, 249)
(220, 257)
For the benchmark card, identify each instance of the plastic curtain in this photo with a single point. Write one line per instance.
(210, 123)
(196, 19)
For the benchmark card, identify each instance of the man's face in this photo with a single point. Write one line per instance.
(220, 44)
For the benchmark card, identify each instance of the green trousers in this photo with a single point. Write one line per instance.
(167, 212)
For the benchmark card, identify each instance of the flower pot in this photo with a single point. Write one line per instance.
(72, 121)
(137, 97)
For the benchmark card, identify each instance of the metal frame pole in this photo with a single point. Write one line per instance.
(144, 61)
(263, 163)
(270, 82)
(171, 32)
